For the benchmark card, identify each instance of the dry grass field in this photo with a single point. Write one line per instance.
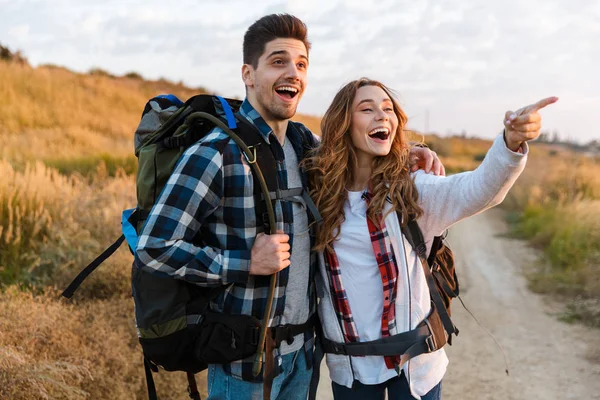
(66, 168)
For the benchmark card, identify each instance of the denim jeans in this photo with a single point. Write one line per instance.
(291, 384)
(397, 389)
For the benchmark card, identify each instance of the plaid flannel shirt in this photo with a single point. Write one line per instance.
(203, 225)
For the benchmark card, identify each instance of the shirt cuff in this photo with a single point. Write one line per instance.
(522, 150)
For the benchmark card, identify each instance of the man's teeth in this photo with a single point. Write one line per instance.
(287, 89)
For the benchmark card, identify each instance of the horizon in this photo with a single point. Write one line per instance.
(455, 67)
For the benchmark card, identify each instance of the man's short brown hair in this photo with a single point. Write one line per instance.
(271, 27)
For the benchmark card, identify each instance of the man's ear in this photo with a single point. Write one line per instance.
(248, 75)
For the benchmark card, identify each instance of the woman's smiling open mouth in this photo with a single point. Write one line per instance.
(380, 133)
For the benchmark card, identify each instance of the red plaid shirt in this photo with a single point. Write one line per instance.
(388, 270)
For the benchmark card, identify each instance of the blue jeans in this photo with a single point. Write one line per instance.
(291, 384)
(397, 389)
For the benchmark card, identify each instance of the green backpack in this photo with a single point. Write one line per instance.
(176, 329)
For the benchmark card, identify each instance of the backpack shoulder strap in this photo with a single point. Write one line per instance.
(413, 234)
(307, 143)
(438, 241)
(264, 155)
(308, 140)
(266, 162)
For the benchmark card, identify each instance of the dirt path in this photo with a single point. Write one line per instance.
(548, 359)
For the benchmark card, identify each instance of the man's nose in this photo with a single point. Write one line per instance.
(292, 71)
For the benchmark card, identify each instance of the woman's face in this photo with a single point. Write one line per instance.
(374, 124)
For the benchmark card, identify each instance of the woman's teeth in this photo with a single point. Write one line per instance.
(380, 133)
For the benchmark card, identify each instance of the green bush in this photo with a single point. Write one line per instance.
(100, 72)
(133, 75)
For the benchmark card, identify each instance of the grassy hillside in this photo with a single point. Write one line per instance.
(53, 114)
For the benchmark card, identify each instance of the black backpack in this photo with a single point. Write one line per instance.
(176, 329)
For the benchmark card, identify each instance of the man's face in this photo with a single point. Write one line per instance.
(277, 83)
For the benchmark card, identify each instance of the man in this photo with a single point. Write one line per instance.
(211, 194)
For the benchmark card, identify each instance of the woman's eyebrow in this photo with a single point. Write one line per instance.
(365, 101)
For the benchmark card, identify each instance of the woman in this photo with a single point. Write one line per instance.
(371, 283)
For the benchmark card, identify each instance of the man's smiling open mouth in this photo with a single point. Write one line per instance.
(287, 92)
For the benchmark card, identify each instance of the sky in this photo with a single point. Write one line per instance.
(456, 65)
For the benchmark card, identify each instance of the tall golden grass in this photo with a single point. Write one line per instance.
(50, 223)
(51, 349)
(51, 226)
(558, 197)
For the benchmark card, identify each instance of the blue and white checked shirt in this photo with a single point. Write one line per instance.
(203, 225)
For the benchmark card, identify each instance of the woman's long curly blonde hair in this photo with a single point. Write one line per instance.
(333, 164)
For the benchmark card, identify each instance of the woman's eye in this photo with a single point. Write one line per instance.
(367, 109)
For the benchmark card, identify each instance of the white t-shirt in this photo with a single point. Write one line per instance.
(362, 281)
(297, 306)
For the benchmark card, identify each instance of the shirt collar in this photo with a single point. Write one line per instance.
(248, 112)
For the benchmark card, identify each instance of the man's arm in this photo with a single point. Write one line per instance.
(192, 193)
(426, 159)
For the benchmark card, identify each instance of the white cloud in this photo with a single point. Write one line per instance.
(19, 31)
(465, 61)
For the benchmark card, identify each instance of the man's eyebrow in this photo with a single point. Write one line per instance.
(284, 52)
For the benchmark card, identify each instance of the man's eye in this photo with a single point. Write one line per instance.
(301, 65)
(279, 62)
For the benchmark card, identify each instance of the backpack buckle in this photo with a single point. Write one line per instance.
(254, 336)
(253, 150)
(422, 250)
(430, 343)
(430, 339)
(337, 348)
(265, 222)
(282, 333)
